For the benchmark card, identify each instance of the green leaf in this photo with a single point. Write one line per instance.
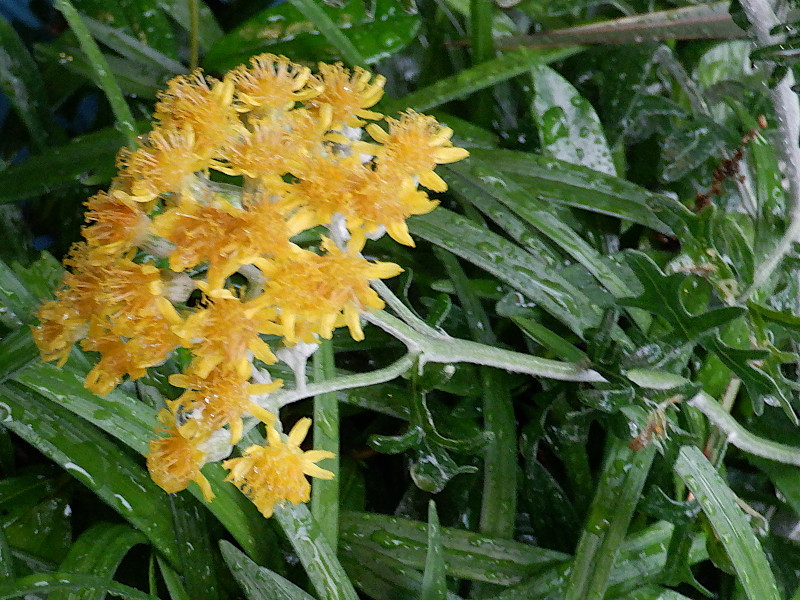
(195, 550)
(34, 520)
(102, 71)
(319, 560)
(6, 559)
(663, 295)
(491, 193)
(761, 385)
(133, 78)
(172, 580)
(569, 128)
(91, 155)
(383, 578)
(325, 25)
(283, 29)
(653, 592)
(94, 460)
(259, 583)
(132, 422)
(612, 509)
(98, 551)
(489, 73)
(580, 187)
(22, 85)
(16, 301)
(510, 264)
(131, 48)
(434, 584)
(208, 31)
(43, 583)
(467, 555)
(676, 23)
(729, 523)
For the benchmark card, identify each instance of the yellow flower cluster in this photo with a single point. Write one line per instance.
(162, 244)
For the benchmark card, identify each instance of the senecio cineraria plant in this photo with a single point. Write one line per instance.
(165, 229)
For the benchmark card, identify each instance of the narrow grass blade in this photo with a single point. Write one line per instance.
(131, 48)
(326, 574)
(467, 555)
(43, 583)
(94, 460)
(499, 501)
(6, 559)
(641, 561)
(314, 13)
(731, 526)
(15, 299)
(470, 180)
(325, 494)
(105, 76)
(98, 551)
(434, 585)
(705, 21)
(259, 583)
(172, 580)
(384, 578)
(612, 508)
(482, 76)
(22, 85)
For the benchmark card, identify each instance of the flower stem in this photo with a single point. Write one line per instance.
(452, 350)
(325, 494)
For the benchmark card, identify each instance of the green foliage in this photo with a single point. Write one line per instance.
(604, 400)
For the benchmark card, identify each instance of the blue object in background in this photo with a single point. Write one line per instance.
(19, 10)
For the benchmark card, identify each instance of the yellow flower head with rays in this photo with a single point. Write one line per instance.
(276, 473)
(179, 265)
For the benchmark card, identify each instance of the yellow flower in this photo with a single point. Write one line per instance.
(314, 294)
(414, 146)
(224, 330)
(387, 198)
(348, 94)
(116, 224)
(276, 473)
(222, 234)
(61, 324)
(203, 104)
(219, 399)
(174, 461)
(152, 341)
(270, 148)
(166, 162)
(271, 85)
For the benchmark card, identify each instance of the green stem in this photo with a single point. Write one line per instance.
(325, 494)
(453, 350)
(102, 71)
(194, 34)
(480, 17)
